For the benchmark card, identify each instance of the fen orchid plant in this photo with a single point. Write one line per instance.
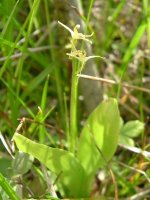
(76, 167)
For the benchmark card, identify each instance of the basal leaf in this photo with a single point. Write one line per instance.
(61, 162)
(102, 128)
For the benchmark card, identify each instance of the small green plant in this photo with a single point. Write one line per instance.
(76, 167)
(79, 60)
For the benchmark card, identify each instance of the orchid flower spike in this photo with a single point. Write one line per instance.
(75, 34)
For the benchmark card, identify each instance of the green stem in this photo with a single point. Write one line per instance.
(73, 107)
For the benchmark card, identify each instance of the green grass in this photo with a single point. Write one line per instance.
(7, 189)
(37, 84)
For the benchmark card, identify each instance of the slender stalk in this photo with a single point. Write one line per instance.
(73, 107)
(66, 120)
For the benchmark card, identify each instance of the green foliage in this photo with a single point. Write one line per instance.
(77, 174)
(63, 163)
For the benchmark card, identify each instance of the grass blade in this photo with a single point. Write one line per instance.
(7, 188)
(128, 54)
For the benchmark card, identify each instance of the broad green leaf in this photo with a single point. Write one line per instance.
(102, 128)
(132, 128)
(62, 163)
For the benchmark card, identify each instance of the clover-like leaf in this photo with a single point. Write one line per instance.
(125, 140)
(130, 130)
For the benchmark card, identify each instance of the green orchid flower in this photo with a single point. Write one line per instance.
(75, 34)
(81, 56)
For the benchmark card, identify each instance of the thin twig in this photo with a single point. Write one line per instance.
(140, 195)
(31, 50)
(136, 150)
(136, 170)
(114, 82)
